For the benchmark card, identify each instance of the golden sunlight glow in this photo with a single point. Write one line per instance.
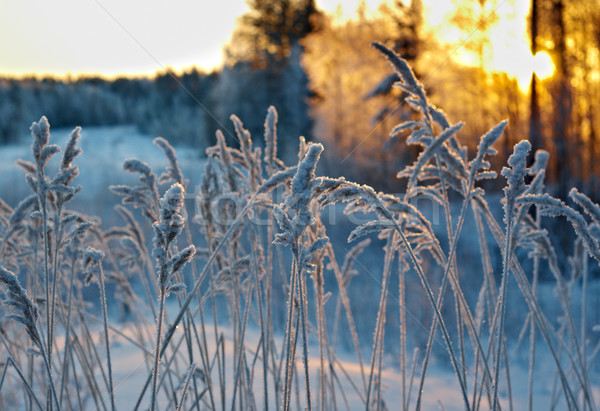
(505, 46)
(523, 65)
(509, 46)
(543, 65)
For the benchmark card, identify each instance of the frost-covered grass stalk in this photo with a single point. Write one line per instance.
(516, 185)
(42, 152)
(244, 255)
(298, 204)
(93, 263)
(166, 229)
(24, 311)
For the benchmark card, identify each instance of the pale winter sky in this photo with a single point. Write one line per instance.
(131, 36)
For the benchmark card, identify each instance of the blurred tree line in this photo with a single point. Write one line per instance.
(158, 106)
(560, 114)
(330, 85)
(262, 68)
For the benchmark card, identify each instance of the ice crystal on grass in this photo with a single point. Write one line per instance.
(145, 195)
(42, 151)
(173, 172)
(480, 166)
(61, 183)
(271, 137)
(242, 183)
(310, 253)
(301, 193)
(244, 139)
(226, 162)
(553, 207)
(166, 229)
(515, 178)
(23, 308)
(71, 150)
(170, 222)
(429, 152)
(591, 209)
(183, 257)
(92, 259)
(21, 211)
(411, 85)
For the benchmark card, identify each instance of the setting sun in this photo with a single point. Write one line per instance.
(543, 65)
(509, 46)
(494, 37)
(524, 65)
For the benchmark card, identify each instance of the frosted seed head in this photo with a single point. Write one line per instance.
(591, 209)
(171, 202)
(5, 208)
(401, 66)
(371, 227)
(342, 194)
(23, 308)
(41, 136)
(301, 148)
(407, 125)
(22, 210)
(226, 161)
(282, 218)
(81, 229)
(318, 244)
(173, 171)
(92, 256)
(66, 176)
(480, 166)
(438, 116)
(166, 230)
(71, 150)
(491, 137)
(47, 152)
(519, 156)
(278, 179)
(430, 152)
(27, 166)
(514, 176)
(554, 207)
(302, 188)
(133, 166)
(306, 171)
(159, 254)
(175, 289)
(242, 133)
(181, 258)
(271, 135)
(540, 163)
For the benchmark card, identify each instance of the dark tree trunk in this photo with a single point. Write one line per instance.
(562, 104)
(535, 137)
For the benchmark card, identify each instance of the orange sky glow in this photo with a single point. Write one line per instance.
(111, 37)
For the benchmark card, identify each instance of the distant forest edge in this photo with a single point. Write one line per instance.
(324, 79)
(188, 108)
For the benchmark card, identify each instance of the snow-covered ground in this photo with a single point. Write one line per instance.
(441, 391)
(100, 165)
(441, 386)
(105, 149)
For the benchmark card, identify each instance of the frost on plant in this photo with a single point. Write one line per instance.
(243, 312)
(23, 309)
(166, 229)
